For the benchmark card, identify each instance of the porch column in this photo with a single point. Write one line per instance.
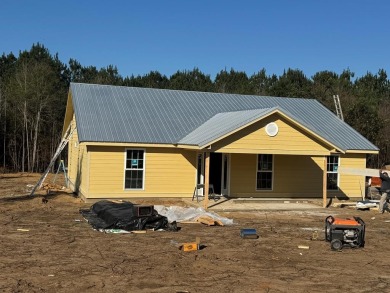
(324, 183)
(206, 180)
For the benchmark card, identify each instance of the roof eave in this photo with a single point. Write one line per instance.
(69, 112)
(127, 144)
(188, 146)
(373, 152)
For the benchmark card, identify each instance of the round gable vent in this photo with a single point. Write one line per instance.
(272, 129)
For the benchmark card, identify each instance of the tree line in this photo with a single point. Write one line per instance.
(34, 87)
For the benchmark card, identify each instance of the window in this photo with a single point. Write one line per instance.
(332, 165)
(134, 171)
(264, 172)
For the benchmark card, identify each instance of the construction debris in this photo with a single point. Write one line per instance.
(190, 214)
(106, 214)
(209, 221)
(138, 231)
(367, 204)
(303, 247)
(360, 205)
(344, 204)
(52, 187)
(191, 246)
(249, 233)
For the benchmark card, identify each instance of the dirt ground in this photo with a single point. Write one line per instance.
(48, 247)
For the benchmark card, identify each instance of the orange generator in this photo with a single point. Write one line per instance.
(344, 232)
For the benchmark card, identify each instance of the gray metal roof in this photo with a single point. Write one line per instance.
(221, 124)
(141, 115)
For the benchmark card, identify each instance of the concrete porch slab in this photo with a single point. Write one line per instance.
(241, 204)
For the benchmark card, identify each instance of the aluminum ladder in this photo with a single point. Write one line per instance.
(64, 141)
(337, 105)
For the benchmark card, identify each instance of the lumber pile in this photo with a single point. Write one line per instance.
(209, 221)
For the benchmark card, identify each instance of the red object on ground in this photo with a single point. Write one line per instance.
(375, 182)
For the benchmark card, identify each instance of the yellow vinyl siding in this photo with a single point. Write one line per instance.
(351, 185)
(298, 175)
(106, 169)
(168, 173)
(170, 170)
(243, 174)
(293, 176)
(289, 140)
(77, 163)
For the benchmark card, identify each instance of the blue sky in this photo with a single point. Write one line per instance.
(167, 36)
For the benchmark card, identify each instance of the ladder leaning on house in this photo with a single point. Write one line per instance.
(337, 105)
(62, 145)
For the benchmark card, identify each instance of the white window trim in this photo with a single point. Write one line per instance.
(125, 169)
(272, 171)
(329, 172)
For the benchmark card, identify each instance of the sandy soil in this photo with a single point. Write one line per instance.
(48, 247)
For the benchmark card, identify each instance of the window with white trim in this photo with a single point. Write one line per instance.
(264, 172)
(332, 164)
(134, 169)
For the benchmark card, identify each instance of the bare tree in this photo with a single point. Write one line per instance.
(31, 88)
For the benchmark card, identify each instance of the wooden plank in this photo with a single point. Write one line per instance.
(218, 223)
(358, 171)
(343, 204)
(23, 230)
(209, 221)
(206, 220)
(303, 246)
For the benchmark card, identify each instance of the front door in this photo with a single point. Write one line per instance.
(215, 172)
(219, 174)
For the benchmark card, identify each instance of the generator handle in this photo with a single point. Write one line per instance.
(329, 219)
(359, 220)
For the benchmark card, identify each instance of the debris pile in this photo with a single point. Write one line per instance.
(107, 215)
(52, 187)
(185, 214)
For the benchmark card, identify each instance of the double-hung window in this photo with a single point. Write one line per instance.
(135, 169)
(332, 165)
(264, 172)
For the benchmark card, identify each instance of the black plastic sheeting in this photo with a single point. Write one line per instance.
(111, 215)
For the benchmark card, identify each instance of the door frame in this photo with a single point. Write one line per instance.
(225, 176)
(225, 172)
(200, 173)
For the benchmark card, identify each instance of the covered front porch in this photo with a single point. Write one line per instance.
(262, 176)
